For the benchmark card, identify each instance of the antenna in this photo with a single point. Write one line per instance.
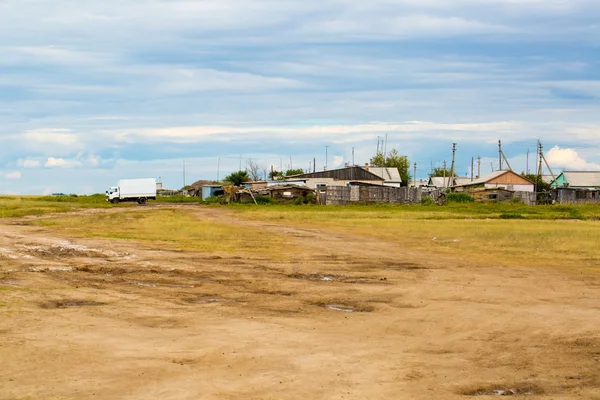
(385, 148)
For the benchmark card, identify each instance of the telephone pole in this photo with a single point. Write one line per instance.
(478, 167)
(472, 167)
(500, 154)
(183, 173)
(326, 158)
(415, 176)
(444, 172)
(452, 167)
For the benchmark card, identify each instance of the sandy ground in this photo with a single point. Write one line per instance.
(345, 317)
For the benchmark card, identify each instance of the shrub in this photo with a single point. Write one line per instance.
(308, 199)
(426, 201)
(459, 198)
(511, 216)
(213, 200)
(264, 200)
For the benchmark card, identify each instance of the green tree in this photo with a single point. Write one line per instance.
(394, 160)
(291, 172)
(237, 178)
(275, 175)
(440, 172)
(540, 185)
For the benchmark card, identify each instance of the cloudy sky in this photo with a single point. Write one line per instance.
(95, 91)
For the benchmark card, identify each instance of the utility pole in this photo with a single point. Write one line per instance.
(183, 173)
(314, 164)
(415, 176)
(452, 167)
(444, 172)
(353, 157)
(500, 154)
(478, 167)
(472, 167)
(385, 148)
(546, 162)
(326, 158)
(503, 156)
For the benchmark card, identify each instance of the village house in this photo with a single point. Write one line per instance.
(349, 175)
(589, 180)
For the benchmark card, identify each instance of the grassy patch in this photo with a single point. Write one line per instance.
(542, 235)
(17, 207)
(170, 227)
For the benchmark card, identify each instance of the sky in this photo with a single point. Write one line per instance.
(96, 91)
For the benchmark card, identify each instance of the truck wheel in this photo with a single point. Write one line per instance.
(115, 201)
(142, 200)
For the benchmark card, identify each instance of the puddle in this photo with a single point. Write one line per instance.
(145, 284)
(70, 304)
(50, 269)
(520, 390)
(211, 300)
(405, 268)
(340, 307)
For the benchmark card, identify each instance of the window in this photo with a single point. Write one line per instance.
(321, 187)
(493, 197)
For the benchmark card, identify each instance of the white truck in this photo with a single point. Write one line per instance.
(140, 190)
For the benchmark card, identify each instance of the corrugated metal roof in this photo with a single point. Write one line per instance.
(583, 178)
(388, 174)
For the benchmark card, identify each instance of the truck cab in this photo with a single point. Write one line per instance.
(112, 194)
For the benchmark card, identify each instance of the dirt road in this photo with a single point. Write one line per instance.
(342, 317)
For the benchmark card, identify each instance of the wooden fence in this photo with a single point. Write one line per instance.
(342, 195)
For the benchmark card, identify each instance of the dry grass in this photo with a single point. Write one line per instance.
(177, 228)
(555, 242)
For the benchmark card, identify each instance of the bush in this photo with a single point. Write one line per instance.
(426, 201)
(459, 198)
(511, 216)
(264, 200)
(308, 199)
(213, 200)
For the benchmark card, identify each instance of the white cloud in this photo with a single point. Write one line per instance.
(62, 137)
(12, 175)
(569, 159)
(337, 161)
(28, 162)
(60, 163)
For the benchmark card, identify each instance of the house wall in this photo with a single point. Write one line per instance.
(313, 182)
(514, 187)
(509, 178)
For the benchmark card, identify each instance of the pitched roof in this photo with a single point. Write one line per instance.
(387, 174)
(439, 181)
(583, 178)
(484, 179)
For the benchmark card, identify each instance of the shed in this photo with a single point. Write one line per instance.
(212, 190)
